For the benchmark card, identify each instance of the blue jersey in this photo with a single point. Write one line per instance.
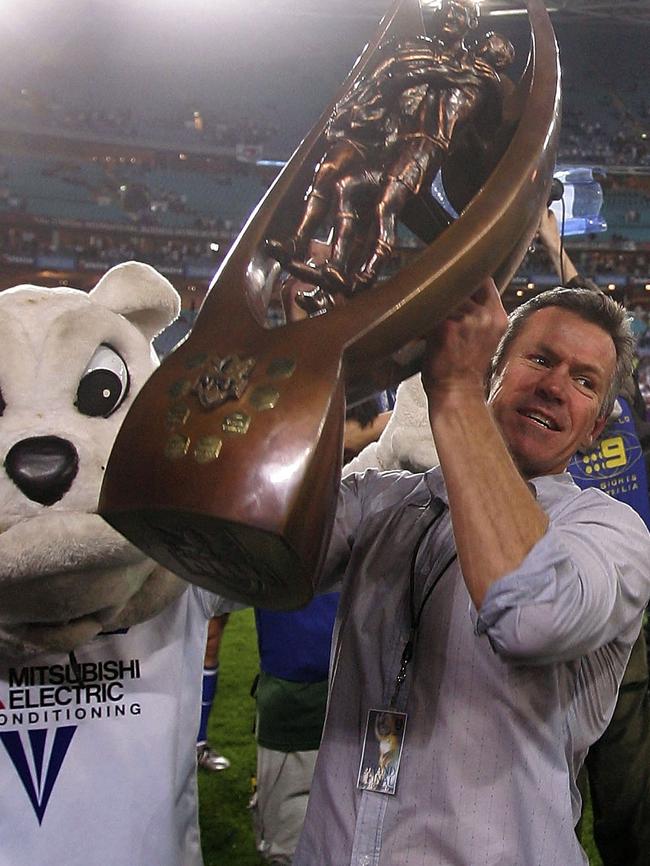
(295, 645)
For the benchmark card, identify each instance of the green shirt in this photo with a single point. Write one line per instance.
(290, 715)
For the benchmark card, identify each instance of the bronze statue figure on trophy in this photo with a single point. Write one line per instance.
(386, 140)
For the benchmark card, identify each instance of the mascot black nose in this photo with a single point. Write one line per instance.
(43, 467)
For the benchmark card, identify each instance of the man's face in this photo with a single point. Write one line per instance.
(546, 398)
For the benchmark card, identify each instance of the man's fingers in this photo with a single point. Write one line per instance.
(486, 295)
(490, 300)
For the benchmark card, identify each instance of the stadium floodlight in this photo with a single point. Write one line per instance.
(494, 13)
(502, 13)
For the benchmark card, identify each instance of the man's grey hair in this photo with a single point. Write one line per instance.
(595, 307)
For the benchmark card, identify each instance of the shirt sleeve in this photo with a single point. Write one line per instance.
(586, 582)
(349, 510)
(359, 495)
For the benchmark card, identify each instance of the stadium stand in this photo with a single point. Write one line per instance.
(91, 178)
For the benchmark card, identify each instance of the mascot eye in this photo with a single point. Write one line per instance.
(104, 384)
(3, 405)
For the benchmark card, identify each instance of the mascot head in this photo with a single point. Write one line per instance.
(71, 365)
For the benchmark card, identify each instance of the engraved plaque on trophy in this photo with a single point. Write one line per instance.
(227, 465)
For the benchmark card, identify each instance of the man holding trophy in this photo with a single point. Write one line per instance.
(488, 607)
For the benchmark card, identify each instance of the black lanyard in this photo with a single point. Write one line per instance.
(415, 617)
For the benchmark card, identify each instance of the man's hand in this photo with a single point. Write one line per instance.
(460, 349)
(495, 517)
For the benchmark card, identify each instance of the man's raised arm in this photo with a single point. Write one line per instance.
(495, 516)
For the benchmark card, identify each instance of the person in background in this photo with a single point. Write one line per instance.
(291, 696)
(207, 757)
(365, 422)
(548, 233)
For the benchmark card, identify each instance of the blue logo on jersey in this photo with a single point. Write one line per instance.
(39, 774)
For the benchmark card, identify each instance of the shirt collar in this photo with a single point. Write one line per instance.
(545, 487)
(436, 484)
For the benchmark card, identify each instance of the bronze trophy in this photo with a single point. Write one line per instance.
(227, 466)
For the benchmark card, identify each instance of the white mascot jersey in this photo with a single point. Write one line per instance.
(103, 771)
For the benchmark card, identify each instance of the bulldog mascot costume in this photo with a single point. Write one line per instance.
(101, 649)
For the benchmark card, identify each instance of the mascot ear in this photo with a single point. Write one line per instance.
(140, 294)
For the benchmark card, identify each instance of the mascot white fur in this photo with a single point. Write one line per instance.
(406, 441)
(100, 649)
